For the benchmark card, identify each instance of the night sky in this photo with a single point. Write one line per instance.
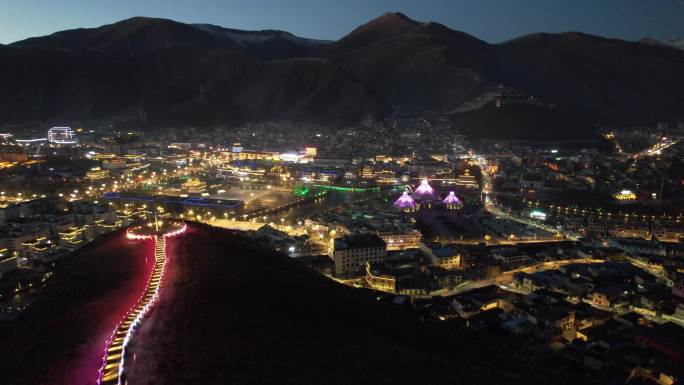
(491, 20)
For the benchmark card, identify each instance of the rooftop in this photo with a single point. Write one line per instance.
(359, 241)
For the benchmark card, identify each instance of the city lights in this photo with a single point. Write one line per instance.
(526, 194)
(625, 195)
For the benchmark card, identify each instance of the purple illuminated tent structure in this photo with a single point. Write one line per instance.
(405, 202)
(424, 192)
(452, 201)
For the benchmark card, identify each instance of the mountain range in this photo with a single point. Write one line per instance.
(165, 72)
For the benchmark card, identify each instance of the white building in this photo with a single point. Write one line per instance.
(351, 253)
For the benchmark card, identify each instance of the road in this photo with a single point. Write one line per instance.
(507, 276)
(492, 209)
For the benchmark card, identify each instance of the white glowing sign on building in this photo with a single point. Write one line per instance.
(62, 135)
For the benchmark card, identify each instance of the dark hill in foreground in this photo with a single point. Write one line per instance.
(234, 313)
(59, 340)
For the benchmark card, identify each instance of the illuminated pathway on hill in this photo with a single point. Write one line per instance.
(112, 370)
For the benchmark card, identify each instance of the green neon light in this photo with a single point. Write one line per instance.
(345, 189)
(301, 191)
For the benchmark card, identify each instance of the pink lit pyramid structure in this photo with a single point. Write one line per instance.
(405, 202)
(452, 201)
(424, 192)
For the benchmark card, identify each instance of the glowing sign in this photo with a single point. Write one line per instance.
(61, 135)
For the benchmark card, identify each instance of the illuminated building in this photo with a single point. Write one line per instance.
(379, 280)
(176, 205)
(256, 155)
(510, 257)
(136, 158)
(104, 156)
(336, 161)
(424, 192)
(42, 249)
(11, 151)
(467, 180)
(114, 164)
(401, 240)
(288, 157)
(310, 151)
(194, 186)
(446, 176)
(405, 202)
(536, 214)
(386, 177)
(74, 237)
(96, 173)
(62, 135)
(175, 160)
(351, 253)
(400, 276)
(242, 171)
(445, 257)
(625, 196)
(180, 145)
(8, 262)
(367, 172)
(452, 201)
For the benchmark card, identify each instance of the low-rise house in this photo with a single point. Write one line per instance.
(445, 257)
(609, 296)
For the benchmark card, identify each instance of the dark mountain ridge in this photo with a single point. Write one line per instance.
(162, 71)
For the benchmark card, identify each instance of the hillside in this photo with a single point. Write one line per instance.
(596, 78)
(59, 340)
(232, 312)
(522, 122)
(160, 71)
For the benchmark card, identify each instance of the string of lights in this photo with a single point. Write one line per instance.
(113, 359)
